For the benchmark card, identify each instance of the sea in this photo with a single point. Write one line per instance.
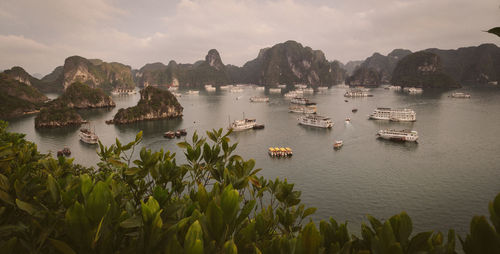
(442, 181)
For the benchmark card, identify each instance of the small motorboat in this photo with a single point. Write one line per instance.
(178, 133)
(346, 100)
(169, 134)
(183, 132)
(354, 110)
(338, 144)
(65, 151)
(348, 120)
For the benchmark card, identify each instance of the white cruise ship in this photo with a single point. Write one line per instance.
(241, 125)
(396, 115)
(281, 86)
(402, 135)
(302, 101)
(259, 99)
(193, 92)
(290, 94)
(210, 88)
(260, 88)
(274, 90)
(308, 90)
(88, 136)
(322, 88)
(315, 121)
(311, 109)
(413, 90)
(460, 95)
(357, 93)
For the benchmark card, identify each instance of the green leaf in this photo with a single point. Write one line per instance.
(309, 211)
(27, 207)
(132, 222)
(495, 31)
(4, 183)
(419, 242)
(138, 137)
(98, 202)
(230, 203)
(245, 211)
(310, 238)
(6, 197)
(61, 246)
(215, 220)
(53, 188)
(230, 247)
(193, 243)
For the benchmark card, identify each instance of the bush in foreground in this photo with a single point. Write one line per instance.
(214, 203)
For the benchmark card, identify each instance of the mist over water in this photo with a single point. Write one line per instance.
(441, 182)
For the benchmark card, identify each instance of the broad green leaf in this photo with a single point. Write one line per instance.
(193, 243)
(132, 222)
(230, 203)
(98, 202)
(310, 238)
(495, 31)
(230, 247)
(420, 242)
(27, 207)
(53, 188)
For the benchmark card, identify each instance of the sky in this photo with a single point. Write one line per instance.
(39, 35)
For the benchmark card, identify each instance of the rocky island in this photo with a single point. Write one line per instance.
(78, 95)
(422, 69)
(61, 111)
(154, 104)
(57, 116)
(18, 98)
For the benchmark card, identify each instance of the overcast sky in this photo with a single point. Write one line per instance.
(39, 35)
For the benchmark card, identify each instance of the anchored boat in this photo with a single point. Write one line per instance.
(401, 135)
(338, 144)
(88, 136)
(280, 152)
(396, 115)
(315, 121)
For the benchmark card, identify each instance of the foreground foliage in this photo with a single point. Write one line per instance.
(213, 203)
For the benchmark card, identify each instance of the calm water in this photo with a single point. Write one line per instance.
(445, 179)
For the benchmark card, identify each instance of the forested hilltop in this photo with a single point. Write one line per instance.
(214, 203)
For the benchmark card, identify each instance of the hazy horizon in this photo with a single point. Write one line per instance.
(39, 36)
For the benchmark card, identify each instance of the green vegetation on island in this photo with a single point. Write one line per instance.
(213, 203)
(57, 116)
(17, 98)
(422, 69)
(79, 95)
(154, 104)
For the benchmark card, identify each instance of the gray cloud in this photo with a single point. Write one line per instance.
(39, 35)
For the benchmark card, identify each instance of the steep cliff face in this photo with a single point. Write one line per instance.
(471, 65)
(209, 71)
(96, 73)
(52, 82)
(79, 95)
(351, 66)
(19, 74)
(383, 65)
(154, 104)
(422, 69)
(17, 99)
(365, 76)
(289, 63)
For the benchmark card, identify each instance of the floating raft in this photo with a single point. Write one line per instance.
(280, 152)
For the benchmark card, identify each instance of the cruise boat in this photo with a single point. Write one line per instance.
(260, 88)
(357, 93)
(88, 136)
(281, 86)
(193, 92)
(395, 88)
(210, 88)
(274, 90)
(226, 87)
(414, 90)
(122, 91)
(173, 88)
(315, 121)
(303, 109)
(300, 86)
(176, 94)
(396, 115)
(241, 125)
(402, 135)
(290, 94)
(322, 88)
(460, 95)
(308, 90)
(302, 101)
(259, 99)
(236, 90)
